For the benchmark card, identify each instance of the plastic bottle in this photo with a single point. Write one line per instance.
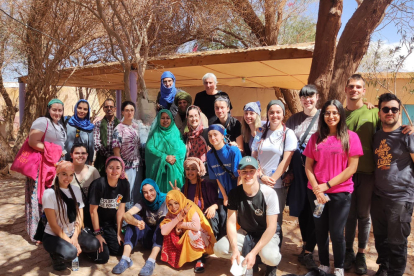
(256, 140)
(319, 207)
(75, 264)
(249, 272)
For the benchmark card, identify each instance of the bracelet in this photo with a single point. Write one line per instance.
(327, 184)
(260, 177)
(98, 232)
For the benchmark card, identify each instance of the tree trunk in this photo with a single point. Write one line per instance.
(327, 28)
(349, 55)
(290, 98)
(127, 90)
(270, 22)
(245, 10)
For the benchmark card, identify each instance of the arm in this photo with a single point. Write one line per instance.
(271, 222)
(52, 220)
(283, 165)
(35, 140)
(168, 227)
(232, 235)
(117, 152)
(312, 179)
(91, 150)
(406, 130)
(412, 157)
(344, 175)
(119, 215)
(93, 209)
(194, 224)
(223, 191)
(239, 141)
(129, 216)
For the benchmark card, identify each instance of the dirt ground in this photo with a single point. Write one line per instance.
(18, 256)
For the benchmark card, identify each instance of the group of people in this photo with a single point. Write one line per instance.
(201, 196)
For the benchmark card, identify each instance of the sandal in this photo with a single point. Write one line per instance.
(199, 266)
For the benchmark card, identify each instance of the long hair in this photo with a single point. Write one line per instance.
(342, 129)
(60, 202)
(198, 194)
(246, 132)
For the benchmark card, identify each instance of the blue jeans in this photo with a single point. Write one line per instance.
(148, 237)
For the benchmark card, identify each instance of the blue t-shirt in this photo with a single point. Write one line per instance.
(230, 156)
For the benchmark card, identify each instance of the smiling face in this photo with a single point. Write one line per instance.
(209, 85)
(173, 206)
(109, 108)
(191, 172)
(309, 102)
(168, 82)
(65, 177)
(275, 115)
(332, 116)
(128, 112)
(389, 118)
(149, 192)
(82, 110)
(250, 117)
(56, 112)
(114, 170)
(216, 138)
(79, 156)
(249, 175)
(165, 120)
(221, 109)
(355, 90)
(193, 118)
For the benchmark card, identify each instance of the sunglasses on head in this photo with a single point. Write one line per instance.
(386, 109)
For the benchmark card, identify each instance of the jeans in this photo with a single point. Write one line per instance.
(392, 226)
(360, 210)
(332, 222)
(148, 237)
(134, 178)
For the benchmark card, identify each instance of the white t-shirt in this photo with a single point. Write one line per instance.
(272, 149)
(49, 202)
(56, 134)
(91, 175)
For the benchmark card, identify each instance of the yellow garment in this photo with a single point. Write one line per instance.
(188, 253)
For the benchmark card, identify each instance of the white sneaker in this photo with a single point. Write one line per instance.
(339, 272)
(324, 268)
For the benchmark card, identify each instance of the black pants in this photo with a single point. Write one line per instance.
(332, 222)
(222, 219)
(392, 226)
(307, 227)
(110, 248)
(215, 224)
(67, 251)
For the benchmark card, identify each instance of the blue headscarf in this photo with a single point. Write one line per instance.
(83, 124)
(167, 94)
(159, 199)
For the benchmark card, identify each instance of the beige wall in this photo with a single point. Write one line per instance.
(404, 86)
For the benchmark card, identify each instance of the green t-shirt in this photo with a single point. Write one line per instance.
(365, 122)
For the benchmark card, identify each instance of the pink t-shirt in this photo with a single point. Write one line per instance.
(331, 160)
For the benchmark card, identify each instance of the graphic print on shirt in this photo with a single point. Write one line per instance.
(111, 203)
(384, 157)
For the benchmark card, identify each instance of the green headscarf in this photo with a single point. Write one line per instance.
(162, 142)
(52, 101)
(182, 95)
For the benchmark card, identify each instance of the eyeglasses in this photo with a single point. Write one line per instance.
(386, 109)
(329, 113)
(109, 107)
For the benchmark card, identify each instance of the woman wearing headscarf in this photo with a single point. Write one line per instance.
(51, 127)
(80, 130)
(107, 198)
(165, 152)
(187, 233)
(165, 98)
(251, 121)
(196, 135)
(144, 227)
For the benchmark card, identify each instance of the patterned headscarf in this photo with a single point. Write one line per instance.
(253, 106)
(64, 166)
(118, 159)
(196, 144)
(197, 161)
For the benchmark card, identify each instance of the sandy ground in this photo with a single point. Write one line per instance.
(18, 256)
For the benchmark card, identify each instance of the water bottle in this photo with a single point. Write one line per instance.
(319, 207)
(75, 264)
(256, 140)
(249, 272)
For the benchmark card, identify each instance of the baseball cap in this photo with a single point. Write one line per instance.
(248, 161)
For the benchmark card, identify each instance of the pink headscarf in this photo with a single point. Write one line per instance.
(64, 166)
(118, 159)
(197, 161)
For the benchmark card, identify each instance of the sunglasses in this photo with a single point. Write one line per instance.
(386, 109)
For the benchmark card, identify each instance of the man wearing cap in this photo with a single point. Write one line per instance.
(255, 208)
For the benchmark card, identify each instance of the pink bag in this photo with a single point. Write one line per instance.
(28, 159)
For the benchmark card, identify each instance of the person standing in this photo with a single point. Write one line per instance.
(393, 198)
(102, 134)
(166, 96)
(251, 121)
(205, 99)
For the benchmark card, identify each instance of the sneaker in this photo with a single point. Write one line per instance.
(58, 262)
(360, 264)
(382, 270)
(271, 270)
(308, 262)
(122, 266)
(339, 272)
(324, 268)
(147, 269)
(349, 259)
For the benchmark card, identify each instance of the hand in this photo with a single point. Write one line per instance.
(141, 225)
(120, 238)
(175, 186)
(321, 198)
(181, 215)
(369, 105)
(323, 187)
(179, 232)
(74, 242)
(249, 260)
(170, 159)
(408, 129)
(101, 242)
(235, 256)
(232, 143)
(269, 181)
(179, 225)
(225, 201)
(211, 211)
(316, 190)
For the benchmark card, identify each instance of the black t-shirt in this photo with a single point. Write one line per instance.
(206, 102)
(108, 198)
(252, 211)
(232, 125)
